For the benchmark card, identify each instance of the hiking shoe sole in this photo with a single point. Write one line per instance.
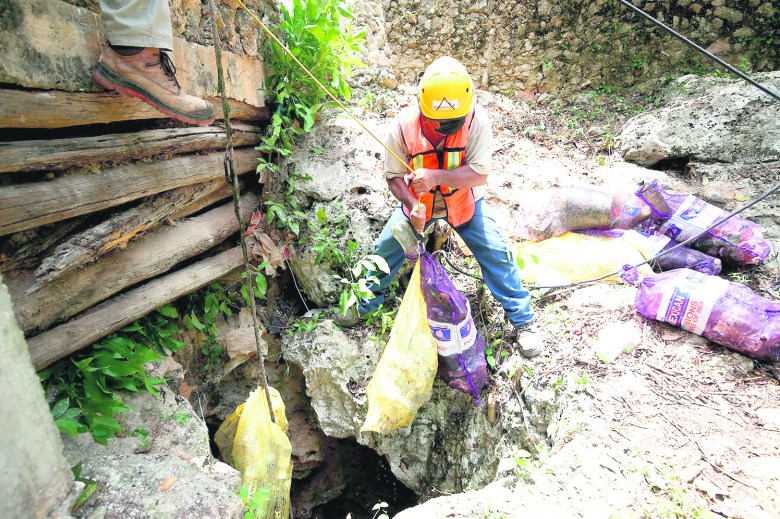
(109, 79)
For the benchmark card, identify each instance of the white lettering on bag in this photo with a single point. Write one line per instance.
(688, 302)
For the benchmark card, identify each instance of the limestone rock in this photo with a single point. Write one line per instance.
(161, 468)
(709, 120)
(450, 445)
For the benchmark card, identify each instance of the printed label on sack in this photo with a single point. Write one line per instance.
(454, 338)
(693, 216)
(648, 243)
(689, 300)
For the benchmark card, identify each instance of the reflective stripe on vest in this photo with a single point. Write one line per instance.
(459, 203)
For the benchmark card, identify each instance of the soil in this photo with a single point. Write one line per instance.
(693, 429)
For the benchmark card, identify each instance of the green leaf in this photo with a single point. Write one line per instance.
(168, 311)
(318, 152)
(68, 426)
(60, 407)
(380, 262)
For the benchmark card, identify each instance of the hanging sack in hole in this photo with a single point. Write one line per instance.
(462, 362)
(650, 243)
(260, 450)
(403, 379)
(552, 212)
(727, 313)
(681, 217)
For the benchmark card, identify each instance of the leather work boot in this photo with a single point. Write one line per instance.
(529, 340)
(151, 77)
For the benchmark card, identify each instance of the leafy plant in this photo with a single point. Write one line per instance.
(142, 433)
(359, 274)
(379, 511)
(318, 36)
(304, 325)
(383, 318)
(89, 487)
(181, 418)
(84, 385)
(257, 504)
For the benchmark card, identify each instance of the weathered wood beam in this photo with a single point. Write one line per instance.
(118, 230)
(55, 109)
(50, 346)
(59, 154)
(29, 205)
(146, 258)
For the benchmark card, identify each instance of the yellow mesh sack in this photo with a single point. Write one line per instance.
(260, 450)
(574, 257)
(403, 380)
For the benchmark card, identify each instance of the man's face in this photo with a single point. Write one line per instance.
(444, 126)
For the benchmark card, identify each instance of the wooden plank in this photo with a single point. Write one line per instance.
(29, 205)
(59, 154)
(55, 109)
(144, 259)
(122, 310)
(87, 246)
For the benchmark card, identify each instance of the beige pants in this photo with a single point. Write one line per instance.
(138, 23)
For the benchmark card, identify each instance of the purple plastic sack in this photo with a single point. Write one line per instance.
(727, 313)
(681, 217)
(461, 349)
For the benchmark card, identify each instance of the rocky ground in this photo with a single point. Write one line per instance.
(675, 426)
(619, 417)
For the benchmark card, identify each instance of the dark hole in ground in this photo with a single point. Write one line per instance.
(672, 164)
(351, 479)
(367, 480)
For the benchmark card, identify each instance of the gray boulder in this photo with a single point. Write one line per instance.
(161, 468)
(708, 120)
(450, 445)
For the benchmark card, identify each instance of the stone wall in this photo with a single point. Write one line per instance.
(561, 46)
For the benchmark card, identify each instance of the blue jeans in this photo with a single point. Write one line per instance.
(482, 236)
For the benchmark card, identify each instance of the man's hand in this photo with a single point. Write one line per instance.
(417, 216)
(423, 180)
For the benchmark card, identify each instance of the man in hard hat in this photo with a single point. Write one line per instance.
(446, 141)
(136, 61)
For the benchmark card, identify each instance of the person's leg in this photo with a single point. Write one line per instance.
(482, 236)
(137, 23)
(389, 248)
(139, 66)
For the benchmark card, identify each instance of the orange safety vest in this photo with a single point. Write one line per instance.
(452, 155)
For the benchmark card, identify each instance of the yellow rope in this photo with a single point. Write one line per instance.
(335, 100)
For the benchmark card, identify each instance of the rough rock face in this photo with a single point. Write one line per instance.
(526, 47)
(162, 468)
(345, 164)
(708, 120)
(36, 481)
(450, 445)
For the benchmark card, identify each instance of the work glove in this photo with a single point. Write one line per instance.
(417, 217)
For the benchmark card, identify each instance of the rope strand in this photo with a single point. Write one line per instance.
(237, 204)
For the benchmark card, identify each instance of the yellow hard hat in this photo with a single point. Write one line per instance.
(445, 90)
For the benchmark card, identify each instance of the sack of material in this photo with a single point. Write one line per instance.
(575, 257)
(260, 450)
(462, 363)
(727, 313)
(403, 379)
(681, 217)
(553, 212)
